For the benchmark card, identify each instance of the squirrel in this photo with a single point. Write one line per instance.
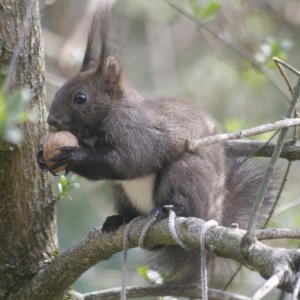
(138, 143)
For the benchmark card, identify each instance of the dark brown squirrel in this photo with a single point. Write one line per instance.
(138, 144)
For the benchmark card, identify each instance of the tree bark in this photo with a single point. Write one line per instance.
(27, 211)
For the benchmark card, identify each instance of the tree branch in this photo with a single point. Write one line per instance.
(277, 233)
(247, 56)
(191, 291)
(290, 150)
(270, 170)
(224, 242)
(193, 145)
(269, 285)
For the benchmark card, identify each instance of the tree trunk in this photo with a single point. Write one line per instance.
(27, 212)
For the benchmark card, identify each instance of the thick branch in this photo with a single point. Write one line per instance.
(290, 150)
(277, 233)
(224, 242)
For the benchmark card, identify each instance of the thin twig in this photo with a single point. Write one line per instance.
(278, 61)
(265, 184)
(256, 148)
(193, 145)
(269, 285)
(282, 185)
(232, 277)
(279, 64)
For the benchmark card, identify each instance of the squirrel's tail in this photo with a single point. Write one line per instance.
(243, 181)
(244, 177)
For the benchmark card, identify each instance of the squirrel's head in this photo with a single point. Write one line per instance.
(81, 105)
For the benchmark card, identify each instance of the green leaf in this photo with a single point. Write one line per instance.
(13, 111)
(271, 47)
(66, 185)
(205, 9)
(142, 270)
(150, 275)
(64, 182)
(211, 10)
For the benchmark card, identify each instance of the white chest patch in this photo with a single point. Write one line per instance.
(140, 192)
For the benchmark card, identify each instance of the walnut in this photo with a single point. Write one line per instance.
(54, 140)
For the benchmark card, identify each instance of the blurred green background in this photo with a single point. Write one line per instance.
(165, 54)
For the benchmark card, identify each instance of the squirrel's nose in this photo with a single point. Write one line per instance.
(59, 122)
(52, 121)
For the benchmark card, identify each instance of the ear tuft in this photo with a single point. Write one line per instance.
(90, 64)
(111, 69)
(90, 60)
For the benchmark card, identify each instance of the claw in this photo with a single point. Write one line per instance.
(40, 160)
(57, 164)
(57, 161)
(162, 212)
(53, 173)
(112, 223)
(158, 213)
(58, 158)
(67, 148)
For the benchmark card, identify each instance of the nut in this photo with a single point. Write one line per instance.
(54, 140)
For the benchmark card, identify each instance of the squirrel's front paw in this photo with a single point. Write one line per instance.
(63, 160)
(112, 223)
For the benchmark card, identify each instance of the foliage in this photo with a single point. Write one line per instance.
(155, 277)
(272, 47)
(13, 111)
(205, 9)
(149, 275)
(65, 186)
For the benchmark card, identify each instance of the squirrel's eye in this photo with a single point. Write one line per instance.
(80, 98)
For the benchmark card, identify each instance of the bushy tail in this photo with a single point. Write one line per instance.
(244, 177)
(175, 264)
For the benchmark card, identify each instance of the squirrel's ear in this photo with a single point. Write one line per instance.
(88, 64)
(89, 60)
(110, 69)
